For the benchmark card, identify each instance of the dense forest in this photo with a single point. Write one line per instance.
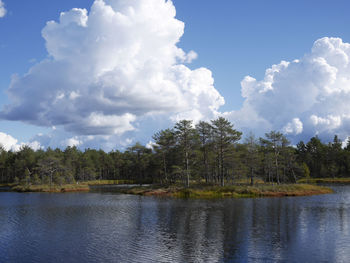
(207, 152)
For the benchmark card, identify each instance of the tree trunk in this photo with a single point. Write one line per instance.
(164, 165)
(251, 176)
(187, 171)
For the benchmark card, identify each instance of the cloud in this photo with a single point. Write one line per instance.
(11, 144)
(62, 139)
(74, 141)
(2, 9)
(110, 67)
(151, 145)
(304, 97)
(116, 72)
(294, 127)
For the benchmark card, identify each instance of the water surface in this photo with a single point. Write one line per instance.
(110, 227)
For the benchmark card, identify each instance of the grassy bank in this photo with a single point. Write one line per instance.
(6, 185)
(325, 181)
(260, 190)
(53, 188)
(110, 182)
(195, 191)
(76, 187)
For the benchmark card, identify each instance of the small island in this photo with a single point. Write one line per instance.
(233, 191)
(203, 160)
(176, 190)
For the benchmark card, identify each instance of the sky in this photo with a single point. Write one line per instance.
(109, 73)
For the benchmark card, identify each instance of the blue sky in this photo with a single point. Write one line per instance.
(233, 39)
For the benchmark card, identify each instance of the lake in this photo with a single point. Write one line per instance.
(110, 227)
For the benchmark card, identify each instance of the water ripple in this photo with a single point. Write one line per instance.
(108, 227)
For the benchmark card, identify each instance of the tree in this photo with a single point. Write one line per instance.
(224, 136)
(71, 156)
(141, 157)
(185, 135)
(3, 160)
(49, 166)
(316, 162)
(165, 141)
(306, 172)
(205, 132)
(335, 157)
(275, 142)
(252, 158)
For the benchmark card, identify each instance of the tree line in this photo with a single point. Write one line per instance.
(208, 152)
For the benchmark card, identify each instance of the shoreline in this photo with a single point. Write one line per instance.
(63, 188)
(195, 191)
(53, 189)
(234, 191)
(325, 181)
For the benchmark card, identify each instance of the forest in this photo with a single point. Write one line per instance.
(208, 152)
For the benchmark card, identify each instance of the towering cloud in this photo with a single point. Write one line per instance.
(303, 97)
(2, 9)
(108, 67)
(116, 68)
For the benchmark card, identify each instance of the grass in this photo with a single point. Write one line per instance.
(53, 189)
(75, 187)
(7, 185)
(243, 189)
(111, 182)
(259, 190)
(325, 180)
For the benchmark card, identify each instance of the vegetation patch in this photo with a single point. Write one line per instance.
(63, 188)
(52, 189)
(110, 182)
(233, 191)
(196, 156)
(325, 180)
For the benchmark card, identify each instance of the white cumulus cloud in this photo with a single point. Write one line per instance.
(110, 66)
(304, 97)
(9, 143)
(294, 127)
(74, 141)
(3, 10)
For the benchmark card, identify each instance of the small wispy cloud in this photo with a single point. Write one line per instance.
(3, 10)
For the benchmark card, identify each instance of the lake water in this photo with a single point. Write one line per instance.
(110, 227)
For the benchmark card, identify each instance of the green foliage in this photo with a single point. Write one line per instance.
(306, 171)
(45, 180)
(36, 179)
(207, 153)
(58, 179)
(69, 177)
